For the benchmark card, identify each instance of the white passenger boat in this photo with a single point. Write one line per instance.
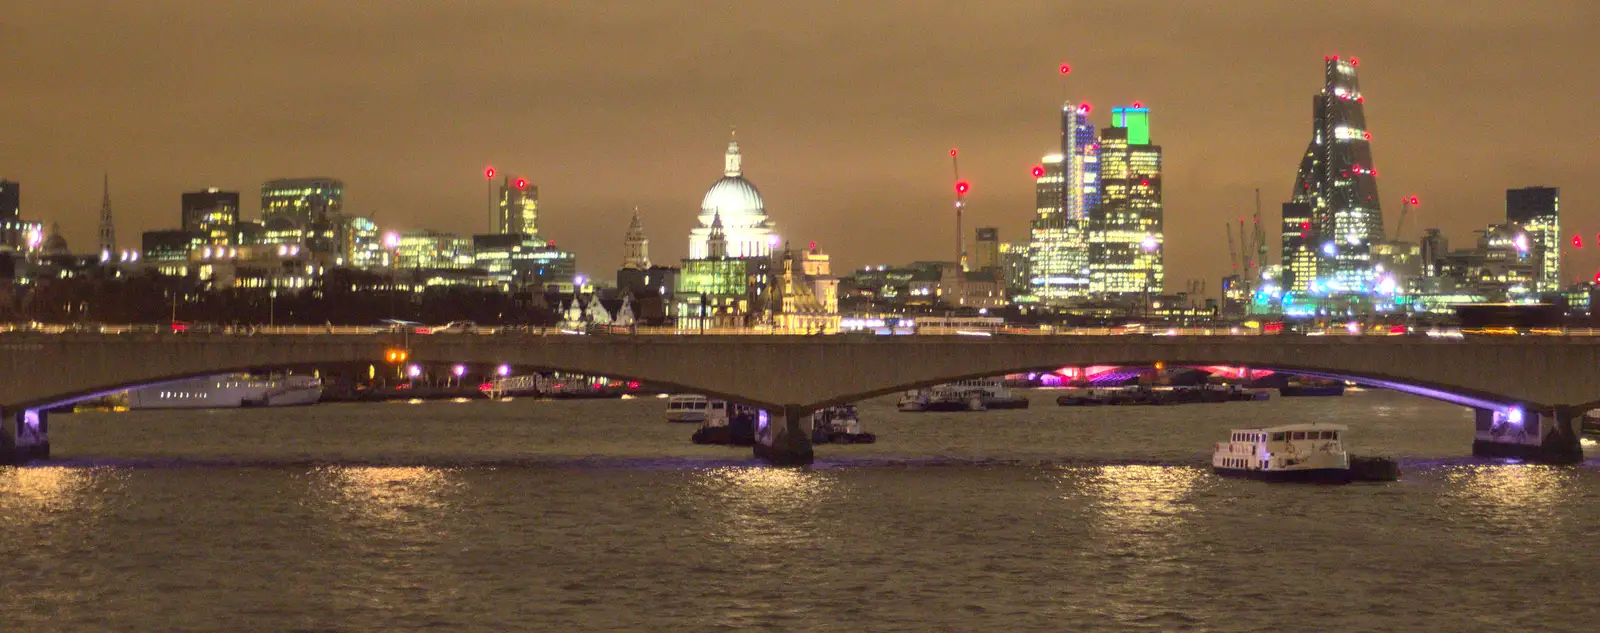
(1296, 452)
(977, 394)
(696, 409)
(228, 391)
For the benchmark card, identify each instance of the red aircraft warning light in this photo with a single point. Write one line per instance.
(1084, 108)
(1412, 200)
(488, 172)
(1577, 241)
(962, 187)
(1038, 171)
(1136, 104)
(522, 184)
(953, 151)
(1065, 69)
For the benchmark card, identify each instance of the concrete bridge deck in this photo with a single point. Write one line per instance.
(1550, 376)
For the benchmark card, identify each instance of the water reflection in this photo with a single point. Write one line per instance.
(760, 506)
(390, 493)
(39, 489)
(1147, 500)
(1520, 496)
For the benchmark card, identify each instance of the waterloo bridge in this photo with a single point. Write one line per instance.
(1529, 392)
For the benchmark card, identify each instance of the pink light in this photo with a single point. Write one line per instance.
(504, 370)
(391, 240)
(413, 371)
(522, 184)
(1413, 201)
(459, 370)
(1352, 327)
(1136, 104)
(1084, 108)
(1355, 62)
(1038, 171)
(772, 241)
(1577, 241)
(962, 187)
(953, 151)
(1065, 69)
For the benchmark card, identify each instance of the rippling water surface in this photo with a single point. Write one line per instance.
(596, 515)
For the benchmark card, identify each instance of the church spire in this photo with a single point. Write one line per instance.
(108, 230)
(716, 243)
(638, 257)
(730, 163)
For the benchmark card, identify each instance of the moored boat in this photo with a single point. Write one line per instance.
(1313, 453)
(736, 426)
(977, 394)
(695, 408)
(839, 425)
(228, 391)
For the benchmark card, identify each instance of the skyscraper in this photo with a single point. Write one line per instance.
(1338, 181)
(1067, 187)
(1125, 229)
(1299, 258)
(519, 207)
(213, 214)
(1538, 210)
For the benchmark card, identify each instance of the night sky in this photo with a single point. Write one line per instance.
(845, 111)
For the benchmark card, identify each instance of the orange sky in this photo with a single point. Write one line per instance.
(845, 111)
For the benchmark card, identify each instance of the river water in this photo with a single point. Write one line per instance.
(597, 515)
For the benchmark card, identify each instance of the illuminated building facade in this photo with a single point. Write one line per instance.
(1067, 188)
(1299, 256)
(1126, 234)
(744, 215)
(171, 246)
(637, 244)
(213, 214)
(1538, 210)
(1014, 268)
(519, 207)
(363, 246)
(1338, 182)
(516, 259)
(433, 249)
(301, 201)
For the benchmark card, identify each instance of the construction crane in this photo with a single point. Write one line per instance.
(1405, 206)
(961, 201)
(1233, 254)
(1260, 237)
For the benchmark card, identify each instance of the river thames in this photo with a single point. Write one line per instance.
(598, 515)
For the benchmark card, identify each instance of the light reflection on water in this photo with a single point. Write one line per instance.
(757, 507)
(35, 492)
(1144, 500)
(390, 493)
(1519, 497)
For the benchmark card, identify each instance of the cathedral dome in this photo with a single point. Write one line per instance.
(738, 206)
(737, 200)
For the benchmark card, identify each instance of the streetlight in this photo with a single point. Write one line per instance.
(458, 370)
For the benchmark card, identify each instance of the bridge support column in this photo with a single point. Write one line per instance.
(1548, 437)
(24, 435)
(788, 443)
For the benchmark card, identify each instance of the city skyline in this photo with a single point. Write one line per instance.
(846, 159)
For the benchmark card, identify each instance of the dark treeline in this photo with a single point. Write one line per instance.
(342, 297)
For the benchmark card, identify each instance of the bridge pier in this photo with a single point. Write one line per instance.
(1549, 437)
(24, 435)
(788, 444)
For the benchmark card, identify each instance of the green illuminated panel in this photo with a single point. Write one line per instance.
(1137, 122)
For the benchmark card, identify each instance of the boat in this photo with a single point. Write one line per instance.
(1310, 389)
(963, 395)
(733, 425)
(695, 408)
(839, 425)
(1313, 453)
(228, 391)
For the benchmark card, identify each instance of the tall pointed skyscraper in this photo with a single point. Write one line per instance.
(1338, 182)
(108, 229)
(638, 257)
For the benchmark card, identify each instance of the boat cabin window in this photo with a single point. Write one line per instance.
(1277, 437)
(718, 405)
(1299, 435)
